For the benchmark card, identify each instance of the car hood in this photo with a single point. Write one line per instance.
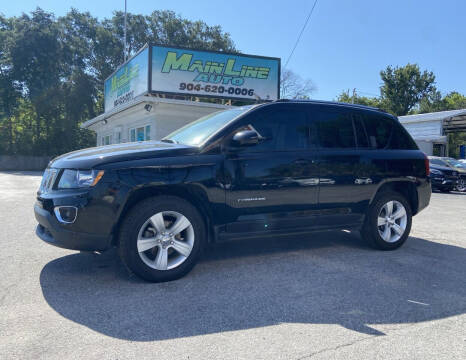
(460, 170)
(446, 169)
(97, 156)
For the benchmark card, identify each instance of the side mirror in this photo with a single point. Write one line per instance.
(245, 138)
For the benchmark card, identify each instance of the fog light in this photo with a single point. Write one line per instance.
(66, 214)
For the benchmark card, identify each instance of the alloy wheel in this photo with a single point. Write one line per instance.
(461, 186)
(392, 221)
(165, 240)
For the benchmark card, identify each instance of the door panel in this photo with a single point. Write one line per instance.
(348, 174)
(274, 185)
(270, 191)
(347, 181)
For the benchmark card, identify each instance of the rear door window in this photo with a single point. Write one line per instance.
(335, 127)
(361, 134)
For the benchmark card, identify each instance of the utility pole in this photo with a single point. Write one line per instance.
(124, 50)
(354, 95)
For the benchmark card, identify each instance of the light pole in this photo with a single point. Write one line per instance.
(124, 50)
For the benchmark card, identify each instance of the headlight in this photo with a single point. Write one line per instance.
(436, 172)
(73, 179)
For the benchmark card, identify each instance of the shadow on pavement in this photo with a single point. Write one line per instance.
(331, 278)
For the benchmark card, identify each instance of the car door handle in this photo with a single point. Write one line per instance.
(363, 181)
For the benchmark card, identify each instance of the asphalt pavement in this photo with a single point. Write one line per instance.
(319, 296)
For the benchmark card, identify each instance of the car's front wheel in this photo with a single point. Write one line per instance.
(388, 221)
(461, 186)
(161, 238)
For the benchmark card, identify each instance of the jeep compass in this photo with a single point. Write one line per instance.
(263, 170)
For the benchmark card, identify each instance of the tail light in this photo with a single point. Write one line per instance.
(426, 163)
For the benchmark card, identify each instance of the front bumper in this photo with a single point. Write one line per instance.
(54, 233)
(444, 182)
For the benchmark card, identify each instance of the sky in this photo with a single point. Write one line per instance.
(344, 46)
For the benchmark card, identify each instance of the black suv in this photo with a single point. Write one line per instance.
(269, 169)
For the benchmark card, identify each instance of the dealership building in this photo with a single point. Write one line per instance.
(159, 89)
(430, 130)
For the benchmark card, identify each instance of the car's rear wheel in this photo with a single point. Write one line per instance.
(161, 238)
(388, 221)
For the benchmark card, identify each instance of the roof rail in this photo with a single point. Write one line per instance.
(326, 102)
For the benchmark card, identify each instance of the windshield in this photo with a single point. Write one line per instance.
(456, 163)
(197, 132)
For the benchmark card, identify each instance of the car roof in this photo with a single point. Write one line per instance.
(333, 104)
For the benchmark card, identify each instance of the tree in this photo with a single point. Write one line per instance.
(292, 86)
(404, 87)
(52, 70)
(9, 89)
(345, 97)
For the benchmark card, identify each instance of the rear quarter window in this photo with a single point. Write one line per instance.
(400, 139)
(379, 130)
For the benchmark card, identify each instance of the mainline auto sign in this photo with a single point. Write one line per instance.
(206, 73)
(178, 71)
(129, 81)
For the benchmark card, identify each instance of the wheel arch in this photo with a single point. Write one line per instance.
(191, 193)
(404, 187)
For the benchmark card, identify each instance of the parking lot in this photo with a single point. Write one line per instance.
(320, 296)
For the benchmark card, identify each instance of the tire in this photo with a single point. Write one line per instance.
(461, 186)
(152, 248)
(375, 226)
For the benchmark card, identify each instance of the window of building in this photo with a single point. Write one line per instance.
(106, 140)
(118, 137)
(141, 133)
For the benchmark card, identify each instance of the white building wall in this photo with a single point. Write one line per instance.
(163, 118)
(426, 128)
(426, 146)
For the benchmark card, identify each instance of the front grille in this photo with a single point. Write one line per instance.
(48, 180)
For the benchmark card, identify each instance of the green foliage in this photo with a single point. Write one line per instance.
(451, 101)
(361, 100)
(407, 90)
(404, 87)
(52, 71)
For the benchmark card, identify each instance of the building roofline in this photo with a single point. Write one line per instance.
(432, 116)
(149, 99)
